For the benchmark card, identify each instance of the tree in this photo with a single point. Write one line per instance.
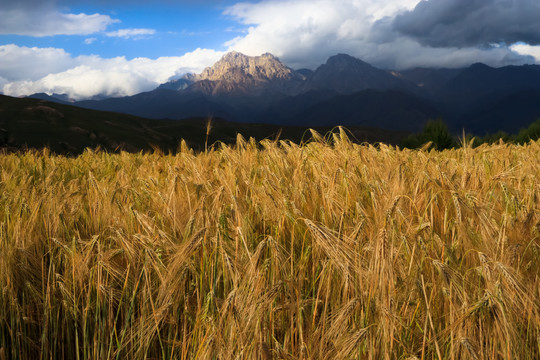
(530, 133)
(434, 131)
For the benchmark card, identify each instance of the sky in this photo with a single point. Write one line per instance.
(85, 48)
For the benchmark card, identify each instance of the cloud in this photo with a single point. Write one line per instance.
(90, 41)
(42, 18)
(86, 76)
(404, 53)
(309, 29)
(25, 63)
(131, 33)
(85, 81)
(43, 21)
(460, 23)
(305, 33)
(526, 49)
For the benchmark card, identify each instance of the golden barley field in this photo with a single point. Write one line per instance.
(328, 250)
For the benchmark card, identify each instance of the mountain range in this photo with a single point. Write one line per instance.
(343, 91)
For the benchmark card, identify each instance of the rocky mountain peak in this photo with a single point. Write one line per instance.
(238, 68)
(234, 56)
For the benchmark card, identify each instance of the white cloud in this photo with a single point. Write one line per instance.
(90, 41)
(526, 49)
(25, 63)
(131, 33)
(304, 33)
(307, 32)
(48, 22)
(86, 76)
(85, 81)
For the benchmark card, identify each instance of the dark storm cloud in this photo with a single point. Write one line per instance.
(459, 23)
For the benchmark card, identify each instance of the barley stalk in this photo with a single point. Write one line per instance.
(325, 250)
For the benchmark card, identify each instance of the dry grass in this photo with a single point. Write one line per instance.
(275, 251)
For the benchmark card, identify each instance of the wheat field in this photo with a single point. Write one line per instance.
(271, 250)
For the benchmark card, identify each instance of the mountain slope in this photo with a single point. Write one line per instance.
(431, 80)
(387, 109)
(346, 74)
(481, 83)
(178, 84)
(483, 99)
(63, 128)
(33, 123)
(161, 104)
(508, 113)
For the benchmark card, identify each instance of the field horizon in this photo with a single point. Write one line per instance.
(272, 250)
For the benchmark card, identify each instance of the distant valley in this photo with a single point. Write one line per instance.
(343, 91)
